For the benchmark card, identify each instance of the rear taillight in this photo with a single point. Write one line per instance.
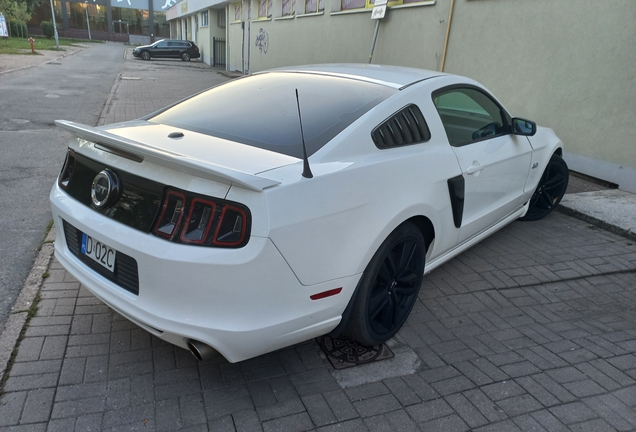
(67, 170)
(171, 214)
(232, 227)
(199, 220)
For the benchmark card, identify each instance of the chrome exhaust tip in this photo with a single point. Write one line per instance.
(200, 350)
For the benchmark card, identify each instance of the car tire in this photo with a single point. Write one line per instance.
(550, 190)
(389, 287)
(185, 57)
(145, 55)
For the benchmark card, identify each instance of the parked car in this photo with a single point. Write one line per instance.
(168, 48)
(295, 202)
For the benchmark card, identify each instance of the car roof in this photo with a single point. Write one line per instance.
(172, 40)
(392, 76)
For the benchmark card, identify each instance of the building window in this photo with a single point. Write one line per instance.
(264, 9)
(130, 21)
(238, 12)
(220, 18)
(162, 27)
(288, 7)
(353, 4)
(314, 6)
(204, 19)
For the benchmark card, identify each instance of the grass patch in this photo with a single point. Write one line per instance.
(22, 46)
(46, 234)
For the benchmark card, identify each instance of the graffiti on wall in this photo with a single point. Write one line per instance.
(262, 41)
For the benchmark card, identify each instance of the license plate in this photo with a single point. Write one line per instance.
(99, 252)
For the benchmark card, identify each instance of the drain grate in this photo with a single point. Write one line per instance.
(344, 352)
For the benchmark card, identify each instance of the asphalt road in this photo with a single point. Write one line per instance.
(32, 149)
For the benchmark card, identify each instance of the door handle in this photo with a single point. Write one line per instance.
(474, 168)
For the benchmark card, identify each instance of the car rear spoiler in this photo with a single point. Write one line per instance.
(168, 159)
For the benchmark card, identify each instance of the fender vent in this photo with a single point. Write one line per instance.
(405, 127)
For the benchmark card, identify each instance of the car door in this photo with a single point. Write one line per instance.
(495, 163)
(162, 49)
(183, 47)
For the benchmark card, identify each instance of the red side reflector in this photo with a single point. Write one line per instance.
(324, 294)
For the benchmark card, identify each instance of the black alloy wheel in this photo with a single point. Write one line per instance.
(550, 190)
(145, 55)
(185, 57)
(389, 287)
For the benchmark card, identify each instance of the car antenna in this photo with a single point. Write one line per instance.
(306, 170)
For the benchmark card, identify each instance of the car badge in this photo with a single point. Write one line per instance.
(105, 189)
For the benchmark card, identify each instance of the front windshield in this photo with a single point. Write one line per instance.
(261, 110)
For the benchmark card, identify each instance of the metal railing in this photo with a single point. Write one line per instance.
(218, 55)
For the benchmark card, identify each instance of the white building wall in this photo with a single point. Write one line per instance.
(235, 48)
(568, 65)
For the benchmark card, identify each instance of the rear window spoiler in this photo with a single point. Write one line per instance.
(183, 163)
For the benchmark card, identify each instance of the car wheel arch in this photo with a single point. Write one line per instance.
(425, 226)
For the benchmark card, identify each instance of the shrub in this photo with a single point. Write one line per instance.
(18, 29)
(47, 29)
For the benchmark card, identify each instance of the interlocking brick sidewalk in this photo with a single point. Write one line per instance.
(532, 329)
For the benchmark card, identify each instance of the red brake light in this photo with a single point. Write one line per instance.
(204, 221)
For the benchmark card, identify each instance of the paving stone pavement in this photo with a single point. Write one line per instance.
(532, 329)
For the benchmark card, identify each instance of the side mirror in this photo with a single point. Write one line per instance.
(523, 127)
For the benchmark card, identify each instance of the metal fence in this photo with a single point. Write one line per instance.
(218, 59)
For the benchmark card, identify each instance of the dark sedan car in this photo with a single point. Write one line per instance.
(167, 48)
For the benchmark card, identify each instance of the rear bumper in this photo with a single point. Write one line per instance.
(242, 302)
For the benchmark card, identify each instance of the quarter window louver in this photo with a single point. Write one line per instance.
(405, 127)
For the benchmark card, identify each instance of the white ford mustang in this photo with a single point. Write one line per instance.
(295, 202)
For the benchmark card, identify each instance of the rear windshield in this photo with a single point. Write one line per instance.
(261, 110)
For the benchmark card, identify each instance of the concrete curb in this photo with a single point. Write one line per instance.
(596, 222)
(109, 100)
(20, 311)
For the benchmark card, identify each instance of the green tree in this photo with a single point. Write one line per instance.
(15, 9)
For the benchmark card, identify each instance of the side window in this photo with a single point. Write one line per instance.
(162, 45)
(469, 115)
(407, 126)
(264, 9)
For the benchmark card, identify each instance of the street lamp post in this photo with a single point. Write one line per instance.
(88, 24)
(57, 42)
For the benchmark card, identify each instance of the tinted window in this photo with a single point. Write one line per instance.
(469, 115)
(261, 110)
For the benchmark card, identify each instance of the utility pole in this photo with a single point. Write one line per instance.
(88, 24)
(57, 42)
